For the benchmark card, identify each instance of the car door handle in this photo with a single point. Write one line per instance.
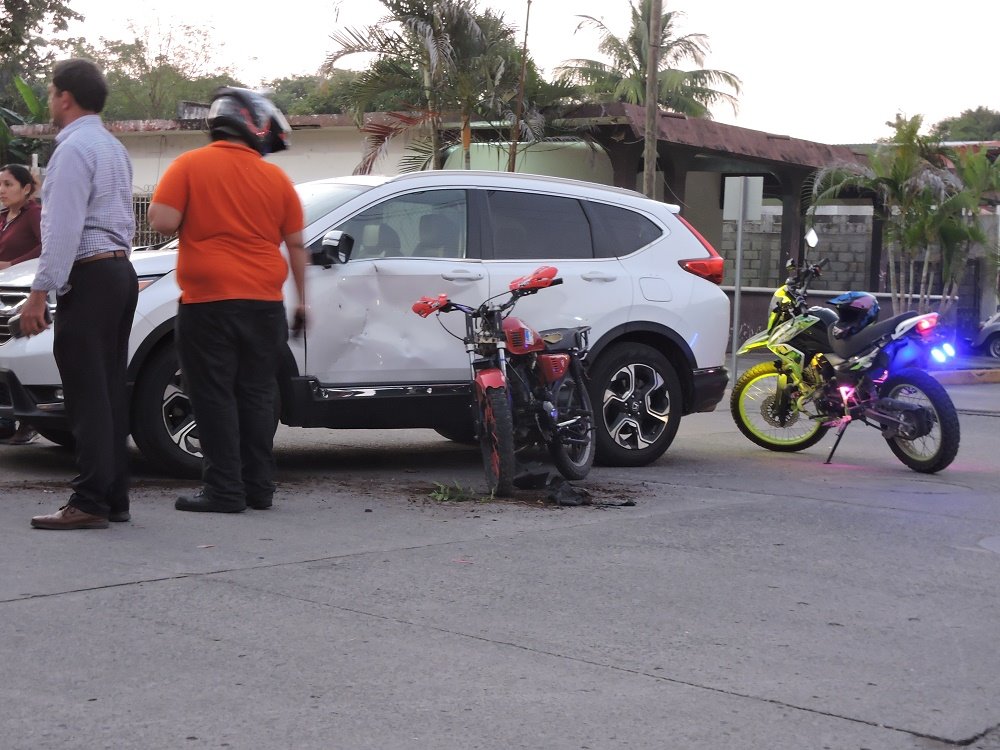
(597, 276)
(460, 275)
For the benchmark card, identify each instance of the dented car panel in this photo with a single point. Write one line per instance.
(377, 339)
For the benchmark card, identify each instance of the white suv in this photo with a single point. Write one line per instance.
(634, 271)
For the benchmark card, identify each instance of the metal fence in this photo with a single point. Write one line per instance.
(144, 234)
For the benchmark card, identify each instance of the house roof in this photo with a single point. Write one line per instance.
(713, 138)
(158, 127)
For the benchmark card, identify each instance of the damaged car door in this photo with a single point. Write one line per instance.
(405, 246)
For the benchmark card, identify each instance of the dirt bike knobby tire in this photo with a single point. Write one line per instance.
(496, 440)
(574, 460)
(945, 414)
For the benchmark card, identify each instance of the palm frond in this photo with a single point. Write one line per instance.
(371, 40)
(418, 157)
(379, 134)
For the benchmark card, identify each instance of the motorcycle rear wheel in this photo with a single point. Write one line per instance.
(574, 459)
(752, 406)
(934, 451)
(496, 440)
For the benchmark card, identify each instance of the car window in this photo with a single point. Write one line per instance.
(428, 224)
(529, 225)
(619, 231)
(320, 198)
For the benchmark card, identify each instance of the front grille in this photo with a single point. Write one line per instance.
(5, 397)
(10, 302)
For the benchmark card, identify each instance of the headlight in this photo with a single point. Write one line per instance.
(145, 281)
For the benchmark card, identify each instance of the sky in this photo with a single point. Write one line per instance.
(826, 72)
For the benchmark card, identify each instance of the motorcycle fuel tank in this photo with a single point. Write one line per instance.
(521, 338)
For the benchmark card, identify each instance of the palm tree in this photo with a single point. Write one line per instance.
(961, 227)
(415, 52)
(910, 179)
(689, 92)
(484, 80)
(432, 56)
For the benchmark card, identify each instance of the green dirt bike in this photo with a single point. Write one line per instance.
(835, 367)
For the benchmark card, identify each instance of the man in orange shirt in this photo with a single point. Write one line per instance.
(233, 210)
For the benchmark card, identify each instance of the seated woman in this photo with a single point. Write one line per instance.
(20, 240)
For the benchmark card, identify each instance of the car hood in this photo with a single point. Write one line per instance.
(146, 262)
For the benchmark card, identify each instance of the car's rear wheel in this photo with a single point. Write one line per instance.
(637, 404)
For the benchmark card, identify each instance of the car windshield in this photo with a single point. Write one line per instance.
(320, 198)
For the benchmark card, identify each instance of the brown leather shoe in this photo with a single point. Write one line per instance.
(68, 517)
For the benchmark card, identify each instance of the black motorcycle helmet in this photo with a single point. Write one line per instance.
(855, 310)
(249, 116)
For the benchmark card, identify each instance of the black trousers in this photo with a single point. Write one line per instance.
(229, 352)
(91, 330)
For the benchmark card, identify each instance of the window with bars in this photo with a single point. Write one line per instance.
(144, 234)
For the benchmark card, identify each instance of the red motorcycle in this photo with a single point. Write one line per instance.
(529, 386)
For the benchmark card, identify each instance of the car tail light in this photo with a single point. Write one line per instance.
(928, 324)
(710, 268)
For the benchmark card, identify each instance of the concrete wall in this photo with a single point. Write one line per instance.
(845, 238)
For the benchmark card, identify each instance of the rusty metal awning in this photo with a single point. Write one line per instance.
(715, 139)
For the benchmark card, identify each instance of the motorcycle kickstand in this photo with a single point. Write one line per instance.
(844, 422)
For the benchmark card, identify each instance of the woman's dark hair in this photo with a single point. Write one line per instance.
(84, 80)
(23, 175)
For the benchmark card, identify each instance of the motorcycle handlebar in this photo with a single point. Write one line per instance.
(425, 306)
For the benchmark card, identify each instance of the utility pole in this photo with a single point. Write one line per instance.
(652, 89)
(515, 129)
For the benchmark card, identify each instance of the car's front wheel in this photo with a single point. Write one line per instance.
(163, 424)
(637, 404)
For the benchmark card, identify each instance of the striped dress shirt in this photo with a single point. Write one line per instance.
(86, 201)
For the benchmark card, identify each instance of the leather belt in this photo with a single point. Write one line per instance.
(101, 256)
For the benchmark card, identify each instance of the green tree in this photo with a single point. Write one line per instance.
(961, 227)
(689, 92)
(415, 54)
(15, 148)
(313, 94)
(153, 71)
(25, 50)
(979, 124)
(909, 179)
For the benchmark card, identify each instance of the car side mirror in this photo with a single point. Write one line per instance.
(336, 248)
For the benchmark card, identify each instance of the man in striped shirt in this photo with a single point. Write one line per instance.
(87, 229)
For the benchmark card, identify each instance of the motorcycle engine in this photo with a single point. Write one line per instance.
(818, 370)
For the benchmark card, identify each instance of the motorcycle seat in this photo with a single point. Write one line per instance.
(864, 338)
(564, 339)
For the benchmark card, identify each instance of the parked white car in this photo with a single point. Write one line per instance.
(634, 271)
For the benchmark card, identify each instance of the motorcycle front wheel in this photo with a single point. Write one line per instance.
(754, 407)
(937, 449)
(572, 447)
(496, 440)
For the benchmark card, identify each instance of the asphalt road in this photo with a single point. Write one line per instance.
(747, 600)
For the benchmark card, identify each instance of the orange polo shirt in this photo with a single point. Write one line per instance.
(237, 209)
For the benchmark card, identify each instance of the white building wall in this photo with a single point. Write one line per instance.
(314, 154)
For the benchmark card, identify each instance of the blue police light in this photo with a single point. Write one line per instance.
(939, 356)
(948, 349)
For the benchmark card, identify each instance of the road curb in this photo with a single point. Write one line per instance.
(967, 377)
